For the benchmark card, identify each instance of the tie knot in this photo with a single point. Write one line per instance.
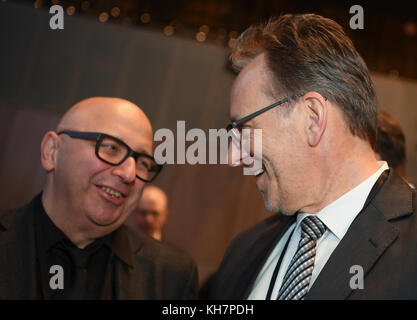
(312, 227)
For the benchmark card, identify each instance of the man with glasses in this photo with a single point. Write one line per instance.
(345, 224)
(70, 241)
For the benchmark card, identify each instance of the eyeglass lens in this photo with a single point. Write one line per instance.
(114, 152)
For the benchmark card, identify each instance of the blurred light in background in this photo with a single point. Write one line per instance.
(410, 28)
(103, 17)
(201, 36)
(145, 17)
(70, 10)
(115, 12)
(221, 22)
(169, 30)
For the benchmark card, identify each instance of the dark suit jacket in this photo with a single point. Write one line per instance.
(382, 239)
(158, 272)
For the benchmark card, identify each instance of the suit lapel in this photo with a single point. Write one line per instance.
(369, 236)
(138, 269)
(121, 282)
(260, 252)
(134, 282)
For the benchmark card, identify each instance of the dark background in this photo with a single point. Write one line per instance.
(178, 76)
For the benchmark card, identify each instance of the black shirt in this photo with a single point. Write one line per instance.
(67, 272)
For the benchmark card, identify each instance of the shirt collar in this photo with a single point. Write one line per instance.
(339, 215)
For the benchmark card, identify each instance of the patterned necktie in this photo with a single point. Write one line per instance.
(297, 278)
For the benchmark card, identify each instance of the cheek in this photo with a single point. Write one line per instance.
(134, 196)
(81, 166)
(72, 174)
(160, 222)
(282, 174)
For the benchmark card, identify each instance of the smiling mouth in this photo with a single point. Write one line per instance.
(112, 193)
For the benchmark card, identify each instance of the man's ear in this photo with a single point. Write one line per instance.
(317, 116)
(49, 150)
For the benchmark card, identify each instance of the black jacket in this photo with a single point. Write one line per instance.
(382, 239)
(157, 271)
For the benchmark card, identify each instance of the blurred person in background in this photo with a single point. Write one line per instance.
(151, 213)
(390, 144)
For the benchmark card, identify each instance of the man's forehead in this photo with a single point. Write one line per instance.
(251, 82)
(116, 117)
(136, 137)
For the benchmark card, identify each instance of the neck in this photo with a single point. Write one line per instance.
(69, 224)
(341, 172)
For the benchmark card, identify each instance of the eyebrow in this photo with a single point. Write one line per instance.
(139, 150)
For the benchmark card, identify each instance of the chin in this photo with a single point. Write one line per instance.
(276, 207)
(270, 205)
(104, 219)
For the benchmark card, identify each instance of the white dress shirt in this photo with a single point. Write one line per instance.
(337, 216)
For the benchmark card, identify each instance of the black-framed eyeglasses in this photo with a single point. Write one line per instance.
(114, 151)
(239, 122)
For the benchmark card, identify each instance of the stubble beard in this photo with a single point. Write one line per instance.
(277, 207)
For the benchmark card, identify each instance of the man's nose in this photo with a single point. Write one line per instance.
(126, 170)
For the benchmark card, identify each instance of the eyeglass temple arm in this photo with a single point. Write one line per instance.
(253, 115)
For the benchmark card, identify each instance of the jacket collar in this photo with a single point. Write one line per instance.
(19, 256)
(260, 252)
(370, 234)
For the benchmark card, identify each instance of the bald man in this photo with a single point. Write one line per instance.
(69, 242)
(151, 212)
